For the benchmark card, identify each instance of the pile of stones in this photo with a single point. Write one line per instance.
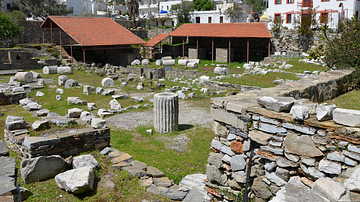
(191, 188)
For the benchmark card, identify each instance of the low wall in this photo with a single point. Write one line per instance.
(217, 85)
(159, 73)
(11, 98)
(63, 144)
(285, 147)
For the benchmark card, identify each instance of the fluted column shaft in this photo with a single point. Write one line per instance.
(166, 112)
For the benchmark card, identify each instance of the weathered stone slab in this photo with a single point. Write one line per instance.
(239, 176)
(7, 185)
(174, 193)
(271, 128)
(347, 117)
(41, 168)
(295, 190)
(283, 162)
(325, 112)
(85, 161)
(329, 189)
(275, 179)
(194, 182)
(260, 137)
(302, 145)
(135, 171)
(330, 167)
(3, 149)
(76, 181)
(154, 172)
(274, 150)
(7, 166)
(34, 142)
(353, 183)
(336, 156)
(301, 129)
(261, 189)
(300, 112)
(278, 104)
(352, 155)
(163, 182)
(214, 175)
(237, 163)
(215, 159)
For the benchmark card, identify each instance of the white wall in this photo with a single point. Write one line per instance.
(204, 16)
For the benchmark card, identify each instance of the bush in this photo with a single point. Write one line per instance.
(343, 51)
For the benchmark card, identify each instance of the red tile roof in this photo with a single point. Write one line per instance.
(152, 42)
(223, 30)
(93, 31)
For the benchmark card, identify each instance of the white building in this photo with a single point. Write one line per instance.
(218, 16)
(329, 11)
(93, 7)
(6, 5)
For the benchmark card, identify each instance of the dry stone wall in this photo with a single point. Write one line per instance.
(158, 73)
(64, 143)
(285, 147)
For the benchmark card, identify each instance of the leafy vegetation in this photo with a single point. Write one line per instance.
(202, 5)
(257, 5)
(182, 11)
(133, 9)
(8, 28)
(42, 8)
(343, 52)
(235, 13)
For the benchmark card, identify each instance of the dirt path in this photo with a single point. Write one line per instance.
(188, 114)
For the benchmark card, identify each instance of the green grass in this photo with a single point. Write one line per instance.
(349, 100)
(264, 81)
(152, 150)
(127, 187)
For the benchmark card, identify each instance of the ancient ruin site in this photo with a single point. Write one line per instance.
(91, 110)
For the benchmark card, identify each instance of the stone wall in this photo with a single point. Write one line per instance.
(193, 53)
(222, 55)
(159, 73)
(286, 147)
(64, 143)
(288, 41)
(217, 85)
(11, 98)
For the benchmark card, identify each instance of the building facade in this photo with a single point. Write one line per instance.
(326, 11)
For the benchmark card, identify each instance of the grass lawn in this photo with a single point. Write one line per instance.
(349, 100)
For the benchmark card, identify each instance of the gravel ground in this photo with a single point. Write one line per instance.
(188, 114)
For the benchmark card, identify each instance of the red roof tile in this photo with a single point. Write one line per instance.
(223, 30)
(93, 31)
(152, 42)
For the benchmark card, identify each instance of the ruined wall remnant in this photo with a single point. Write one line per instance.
(286, 147)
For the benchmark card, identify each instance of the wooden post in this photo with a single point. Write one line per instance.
(183, 49)
(269, 48)
(84, 56)
(247, 50)
(60, 43)
(71, 51)
(197, 47)
(261, 49)
(212, 50)
(143, 52)
(51, 32)
(229, 49)
(43, 33)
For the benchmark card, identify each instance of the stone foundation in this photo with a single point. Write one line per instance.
(159, 73)
(284, 147)
(11, 98)
(65, 144)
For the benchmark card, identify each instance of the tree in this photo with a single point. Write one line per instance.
(17, 17)
(235, 13)
(344, 51)
(257, 5)
(42, 8)
(8, 29)
(202, 5)
(304, 22)
(182, 11)
(133, 8)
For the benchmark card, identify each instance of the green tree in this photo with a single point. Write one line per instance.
(202, 5)
(8, 29)
(304, 22)
(182, 11)
(344, 51)
(42, 8)
(257, 5)
(17, 17)
(133, 9)
(235, 13)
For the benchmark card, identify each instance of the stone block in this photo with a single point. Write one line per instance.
(278, 104)
(76, 181)
(347, 117)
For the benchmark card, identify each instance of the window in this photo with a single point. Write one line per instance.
(323, 17)
(325, 0)
(357, 14)
(155, 1)
(266, 3)
(290, 1)
(142, 3)
(288, 18)
(8, 6)
(167, 8)
(277, 1)
(222, 19)
(209, 19)
(277, 17)
(197, 19)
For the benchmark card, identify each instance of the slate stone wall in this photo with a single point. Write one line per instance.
(285, 147)
(11, 98)
(159, 73)
(222, 55)
(63, 144)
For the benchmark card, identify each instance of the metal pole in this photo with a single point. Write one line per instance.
(51, 32)
(247, 52)
(212, 50)
(183, 48)
(197, 47)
